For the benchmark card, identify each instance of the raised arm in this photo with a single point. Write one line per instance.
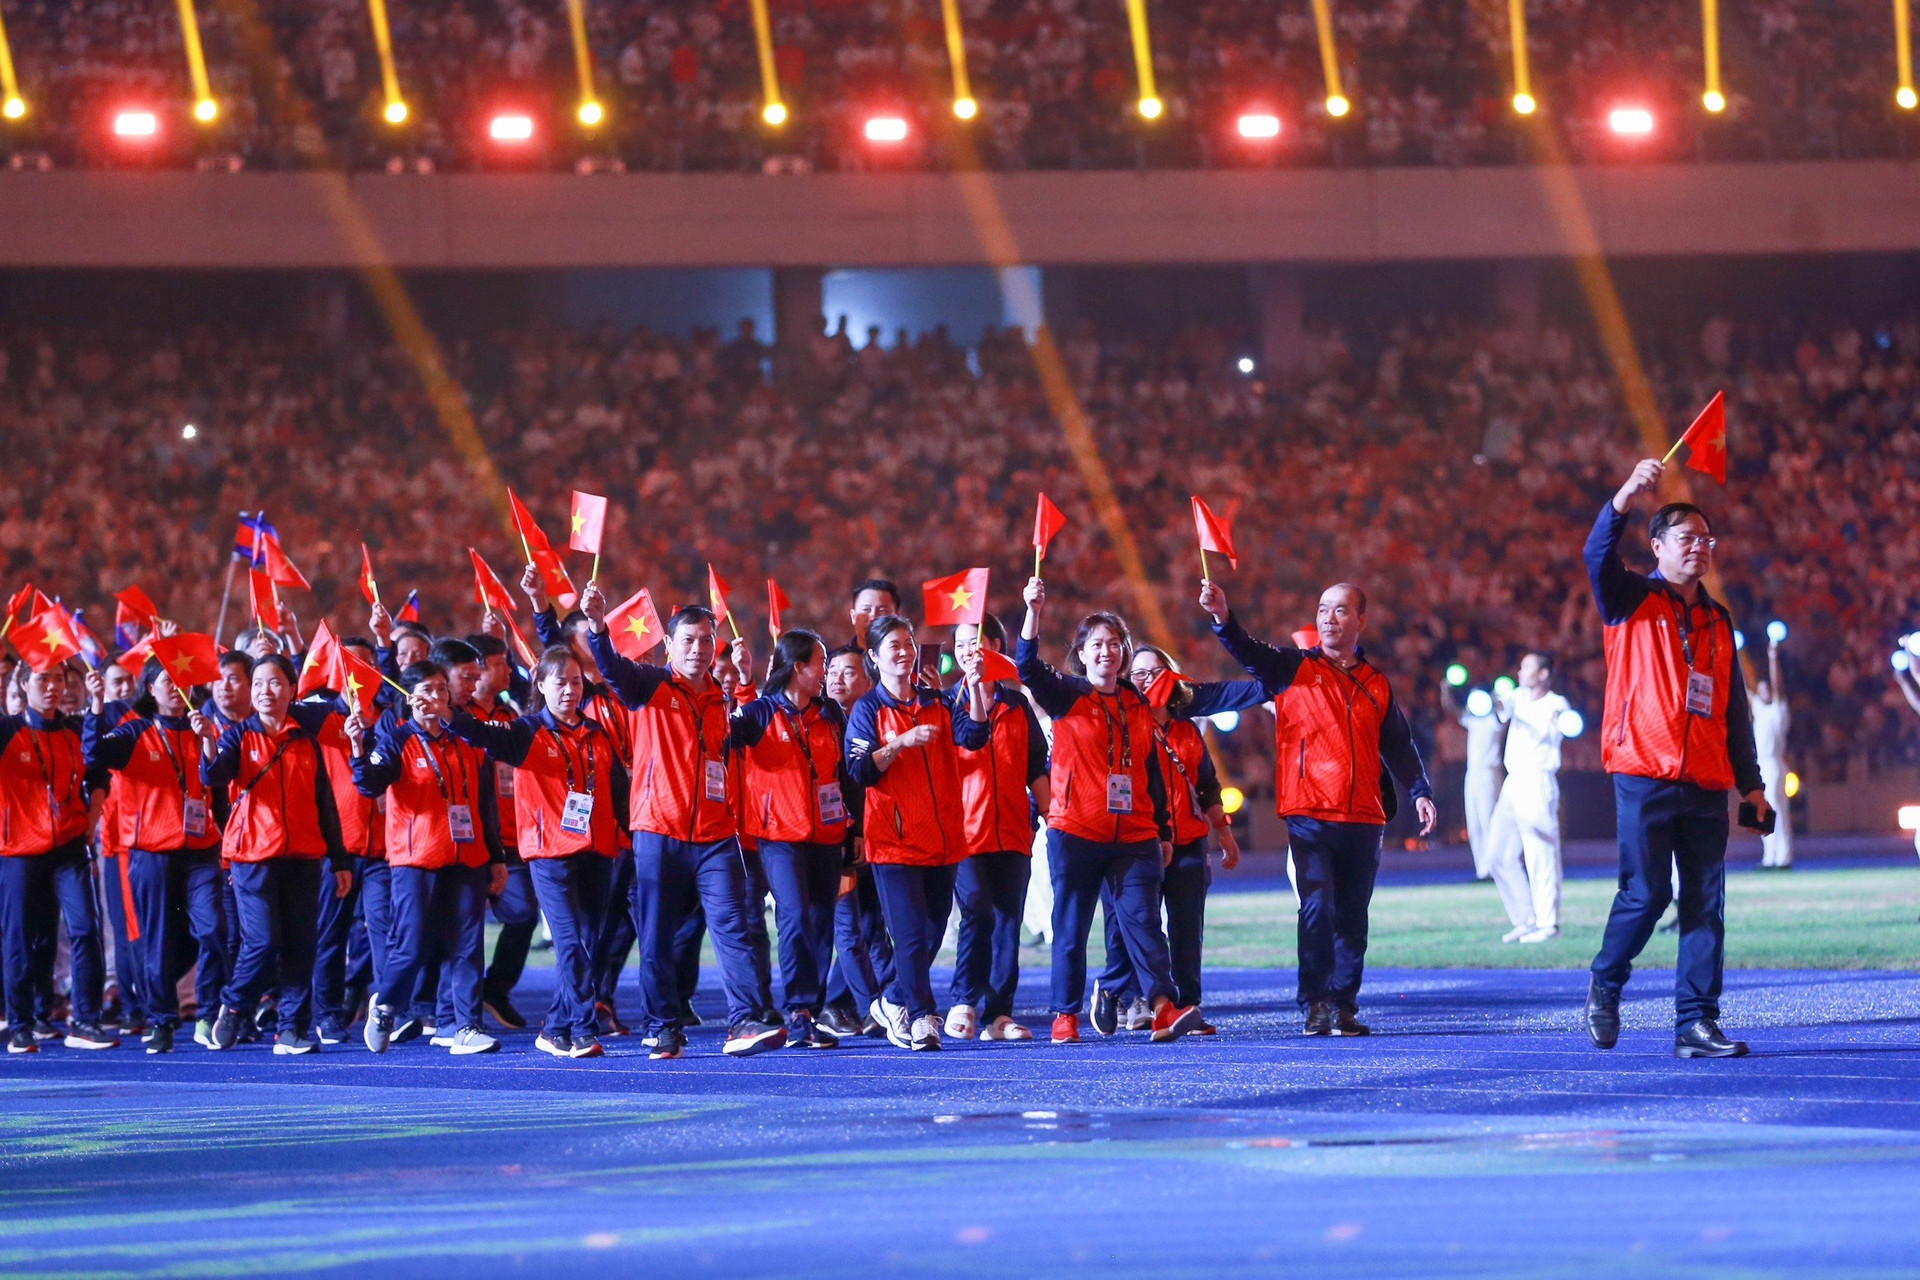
(376, 770)
(107, 745)
(1617, 589)
(634, 683)
(505, 741)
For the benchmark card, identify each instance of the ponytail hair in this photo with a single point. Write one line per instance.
(793, 650)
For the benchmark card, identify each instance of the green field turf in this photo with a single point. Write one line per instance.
(1852, 919)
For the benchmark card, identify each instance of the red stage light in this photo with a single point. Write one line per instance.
(886, 129)
(511, 127)
(1259, 126)
(135, 124)
(1630, 122)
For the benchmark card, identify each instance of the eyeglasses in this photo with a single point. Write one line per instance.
(1688, 541)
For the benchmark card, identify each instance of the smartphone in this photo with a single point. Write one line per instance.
(929, 661)
(1750, 818)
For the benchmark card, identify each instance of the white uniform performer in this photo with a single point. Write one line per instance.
(1524, 854)
(1483, 780)
(1771, 721)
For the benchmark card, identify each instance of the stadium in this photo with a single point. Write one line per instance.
(957, 636)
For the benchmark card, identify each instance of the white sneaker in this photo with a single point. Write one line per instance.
(1516, 933)
(894, 1017)
(471, 1040)
(1005, 1028)
(445, 1041)
(1541, 935)
(1139, 1015)
(962, 1022)
(926, 1032)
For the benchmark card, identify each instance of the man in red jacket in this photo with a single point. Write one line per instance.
(1676, 737)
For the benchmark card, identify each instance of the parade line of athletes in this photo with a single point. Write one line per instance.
(291, 853)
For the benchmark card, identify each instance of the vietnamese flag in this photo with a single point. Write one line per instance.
(190, 657)
(368, 587)
(264, 600)
(524, 525)
(1306, 638)
(996, 666)
(956, 598)
(717, 590)
(1047, 521)
(635, 626)
(323, 655)
(522, 650)
(356, 680)
(409, 611)
(553, 573)
(1707, 440)
(1159, 692)
(1216, 535)
(589, 522)
(274, 559)
(138, 607)
(487, 587)
(19, 602)
(777, 605)
(45, 640)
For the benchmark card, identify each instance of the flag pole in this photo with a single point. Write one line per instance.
(1039, 553)
(1676, 448)
(1204, 575)
(226, 595)
(595, 575)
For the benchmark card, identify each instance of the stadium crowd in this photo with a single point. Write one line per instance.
(300, 83)
(1451, 468)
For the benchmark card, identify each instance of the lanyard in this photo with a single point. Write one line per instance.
(433, 760)
(46, 767)
(566, 757)
(801, 736)
(1174, 756)
(1682, 620)
(173, 756)
(1126, 732)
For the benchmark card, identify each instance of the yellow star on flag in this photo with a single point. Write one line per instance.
(353, 687)
(58, 639)
(579, 522)
(181, 665)
(962, 598)
(637, 626)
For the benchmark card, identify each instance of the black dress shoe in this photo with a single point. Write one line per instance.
(1703, 1039)
(1603, 1016)
(1346, 1022)
(1319, 1019)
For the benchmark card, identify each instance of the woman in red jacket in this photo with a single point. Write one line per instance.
(794, 805)
(1108, 825)
(44, 872)
(1193, 796)
(281, 826)
(165, 820)
(443, 853)
(902, 748)
(568, 810)
(1002, 786)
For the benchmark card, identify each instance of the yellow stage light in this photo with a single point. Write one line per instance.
(1714, 101)
(775, 114)
(14, 109)
(206, 111)
(1232, 799)
(1791, 784)
(1524, 104)
(966, 108)
(1906, 97)
(592, 113)
(1150, 108)
(396, 112)
(1338, 106)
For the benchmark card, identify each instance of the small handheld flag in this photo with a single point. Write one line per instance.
(190, 657)
(525, 526)
(635, 626)
(1706, 440)
(264, 600)
(777, 605)
(717, 590)
(488, 590)
(409, 611)
(323, 655)
(996, 666)
(1216, 535)
(45, 641)
(139, 606)
(368, 587)
(956, 598)
(249, 535)
(1047, 521)
(588, 523)
(274, 559)
(1159, 691)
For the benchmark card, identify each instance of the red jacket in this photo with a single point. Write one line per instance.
(786, 758)
(424, 781)
(1107, 784)
(1657, 645)
(995, 807)
(1192, 785)
(155, 765)
(282, 798)
(503, 778)
(550, 761)
(362, 825)
(912, 811)
(43, 784)
(681, 773)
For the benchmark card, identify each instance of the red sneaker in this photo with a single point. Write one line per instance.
(1170, 1021)
(1066, 1028)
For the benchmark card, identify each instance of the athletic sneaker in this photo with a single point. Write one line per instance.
(1174, 1021)
(21, 1041)
(1319, 1019)
(406, 1029)
(963, 1021)
(429, 1028)
(161, 1041)
(753, 1035)
(926, 1032)
(379, 1029)
(1204, 1029)
(1005, 1028)
(1105, 1013)
(293, 1044)
(1546, 933)
(1140, 1015)
(805, 1032)
(689, 1018)
(587, 1046)
(226, 1029)
(501, 1010)
(839, 1021)
(1066, 1028)
(899, 1034)
(1516, 933)
(667, 1044)
(203, 1033)
(609, 1019)
(444, 1041)
(330, 1031)
(471, 1040)
(44, 1031)
(88, 1035)
(559, 1044)
(266, 1018)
